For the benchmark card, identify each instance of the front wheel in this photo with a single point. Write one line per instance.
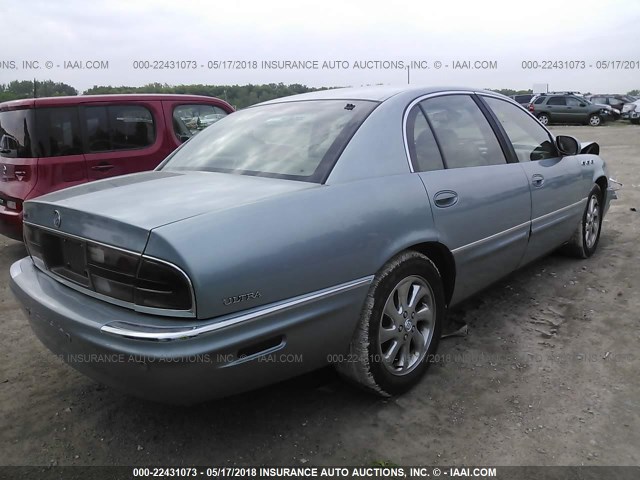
(585, 240)
(595, 120)
(543, 118)
(399, 327)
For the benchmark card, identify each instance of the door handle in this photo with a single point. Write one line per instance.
(103, 167)
(537, 180)
(445, 198)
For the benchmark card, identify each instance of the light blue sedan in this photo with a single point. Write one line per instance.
(335, 227)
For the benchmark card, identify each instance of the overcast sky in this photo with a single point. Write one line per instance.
(508, 32)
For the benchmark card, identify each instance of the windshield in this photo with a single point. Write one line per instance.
(293, 140)
(16, 134)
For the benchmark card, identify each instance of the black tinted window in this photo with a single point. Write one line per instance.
(97, 129)
(423, 148)
(59, 132)
(131, 127)
(119, 127)
(16, 134)
(556, 101)
(462, 131)
(530, 140)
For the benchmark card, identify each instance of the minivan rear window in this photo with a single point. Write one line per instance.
(17, 132)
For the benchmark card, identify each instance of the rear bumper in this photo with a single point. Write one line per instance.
(147, 356)
(11, 223)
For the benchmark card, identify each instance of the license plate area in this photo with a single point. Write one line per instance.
(66, 257)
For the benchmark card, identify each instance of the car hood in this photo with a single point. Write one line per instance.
(121, 211)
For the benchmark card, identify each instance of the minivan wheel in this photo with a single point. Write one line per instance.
(399, 327)
(585, 239)
(595, 120)
(543, 118)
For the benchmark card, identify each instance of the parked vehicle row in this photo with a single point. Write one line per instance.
(568, 108)
(331, 227)
(47, 144)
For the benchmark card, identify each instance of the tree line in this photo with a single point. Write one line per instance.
(239, 96)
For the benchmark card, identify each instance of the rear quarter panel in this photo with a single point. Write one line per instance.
(296, 243)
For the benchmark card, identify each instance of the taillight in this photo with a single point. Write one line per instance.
(144, 284)
(160, 285)
(531, 107)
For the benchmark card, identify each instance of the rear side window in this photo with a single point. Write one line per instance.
(423, 149)
(17, 134)
(119, 127)
(463, 132)
(59, 132)
(529, 139)
(190, 119)
(556, 101)
(539, 100)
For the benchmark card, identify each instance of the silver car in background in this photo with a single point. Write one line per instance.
(335, 227)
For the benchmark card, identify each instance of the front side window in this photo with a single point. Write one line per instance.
(119, 127)
(463, 132)
(574, 102)
(423, 149)
(293, 140)
(59, 132)
(16, 134)
(190, 119)
(529, 139)
(556, 101)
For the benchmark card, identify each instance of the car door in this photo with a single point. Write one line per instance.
(557, 107)
(554, 182)
(480, 203)
(122, 138)
(578, 110)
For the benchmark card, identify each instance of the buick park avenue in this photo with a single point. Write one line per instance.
(332, 227)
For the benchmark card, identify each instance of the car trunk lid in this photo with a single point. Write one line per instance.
(121, 211)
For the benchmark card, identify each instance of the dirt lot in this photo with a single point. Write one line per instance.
(512, 392)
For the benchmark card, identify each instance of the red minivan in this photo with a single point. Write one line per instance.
(47, 144)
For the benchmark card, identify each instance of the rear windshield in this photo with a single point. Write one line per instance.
(296, 140)
(17, 134)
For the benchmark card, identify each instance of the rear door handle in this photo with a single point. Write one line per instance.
(445, 198)
(103, 167)
(537, 180)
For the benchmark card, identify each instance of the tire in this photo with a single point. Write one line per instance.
(384, 357)
(584, 241)
(595, 120)
(544, 119)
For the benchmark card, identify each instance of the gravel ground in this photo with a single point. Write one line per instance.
(548, 375)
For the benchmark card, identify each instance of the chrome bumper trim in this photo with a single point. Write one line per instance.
(149, 333)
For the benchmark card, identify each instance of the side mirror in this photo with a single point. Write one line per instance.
(583, 104)
(567, 145)
(184, 138)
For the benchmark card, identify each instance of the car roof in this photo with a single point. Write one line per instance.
(371, 93)
(81, 99)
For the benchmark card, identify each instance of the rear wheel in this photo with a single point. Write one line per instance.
(399, 327)
(595, 120)
(543, 118)
(585, 240)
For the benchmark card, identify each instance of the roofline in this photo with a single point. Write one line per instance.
(81, 99)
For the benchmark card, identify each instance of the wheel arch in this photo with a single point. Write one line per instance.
(603, 184)
(443, 259)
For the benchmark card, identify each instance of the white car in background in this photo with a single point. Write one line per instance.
(631, 111)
